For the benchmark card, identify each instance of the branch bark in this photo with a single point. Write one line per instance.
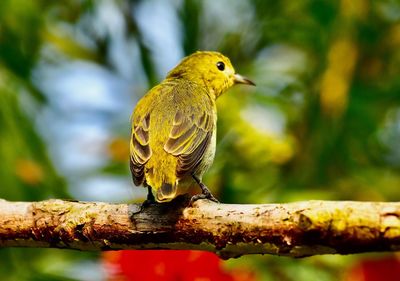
(295, 229)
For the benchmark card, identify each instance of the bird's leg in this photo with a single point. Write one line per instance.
(205, 192)
(150, 197)
(146, 203)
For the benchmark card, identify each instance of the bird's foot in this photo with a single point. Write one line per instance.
(146, 203)
(206, 194)
(203, 196)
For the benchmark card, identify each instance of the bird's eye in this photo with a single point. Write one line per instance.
(220, 65)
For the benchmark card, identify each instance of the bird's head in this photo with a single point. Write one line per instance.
(211, 69)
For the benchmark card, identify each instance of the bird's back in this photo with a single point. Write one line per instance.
(172, 127)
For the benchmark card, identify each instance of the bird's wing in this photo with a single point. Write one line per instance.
(140, 151)
(189, 137)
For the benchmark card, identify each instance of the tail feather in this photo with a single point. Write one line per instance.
(166, 192)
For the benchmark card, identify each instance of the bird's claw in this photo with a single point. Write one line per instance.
(208, 196)
(146, 203)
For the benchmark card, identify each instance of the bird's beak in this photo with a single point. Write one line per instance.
(239, 79)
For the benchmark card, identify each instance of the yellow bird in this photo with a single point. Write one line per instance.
(173, 135)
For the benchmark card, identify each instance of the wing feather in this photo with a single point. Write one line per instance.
(140, 148)
(189, 138)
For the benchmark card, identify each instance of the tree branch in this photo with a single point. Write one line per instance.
(294, 229)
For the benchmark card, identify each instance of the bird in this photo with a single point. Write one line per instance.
(173, 127)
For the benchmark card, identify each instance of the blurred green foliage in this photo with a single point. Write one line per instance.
(323, 122)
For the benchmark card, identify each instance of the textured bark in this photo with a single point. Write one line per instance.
(294, 229)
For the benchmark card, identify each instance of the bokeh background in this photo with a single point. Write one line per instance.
(322, 123)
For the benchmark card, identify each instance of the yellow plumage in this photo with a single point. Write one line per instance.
(174, 125)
